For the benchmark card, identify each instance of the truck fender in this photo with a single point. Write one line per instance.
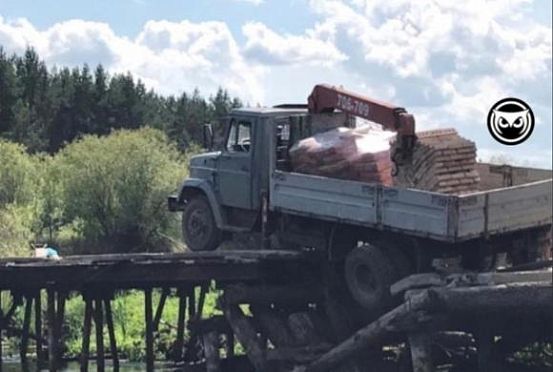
(194, 186)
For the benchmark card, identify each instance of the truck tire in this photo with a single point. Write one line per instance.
(199, 230)
(369, 274)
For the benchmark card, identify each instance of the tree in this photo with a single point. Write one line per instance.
(116, 186)
(47, 109)
(8, 93)
(20, 179)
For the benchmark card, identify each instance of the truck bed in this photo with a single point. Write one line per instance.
(494, 210)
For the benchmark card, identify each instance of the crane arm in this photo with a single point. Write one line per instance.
(326, 98)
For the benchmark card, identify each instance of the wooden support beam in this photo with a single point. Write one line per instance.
(211, 351)
(159, 310)
(192, 303)
(373, 333)
(485, 342)
(24, 345)
(420, 344)
(273, 324)
(111, 332)
(60, 316)
(52, 342)
(85, 350)
(181, 324)
(149, 330)
(99, 322)
(38, 329)
(229, 347)
(246, 334)
(203, 291)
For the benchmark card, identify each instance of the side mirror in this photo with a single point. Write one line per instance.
(208, 136)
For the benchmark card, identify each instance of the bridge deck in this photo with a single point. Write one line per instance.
(144, 270)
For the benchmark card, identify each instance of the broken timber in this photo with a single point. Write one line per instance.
(426, 309)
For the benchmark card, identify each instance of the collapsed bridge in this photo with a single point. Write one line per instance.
(285, 308)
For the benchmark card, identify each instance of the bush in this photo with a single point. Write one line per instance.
(16, 230)
(116, 187)
(19, 175)
(20, 179)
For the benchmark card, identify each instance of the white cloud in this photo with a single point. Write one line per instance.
(169, 56)
(268, 47)
(253, 2)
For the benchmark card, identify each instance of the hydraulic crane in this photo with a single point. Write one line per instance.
(326, 98)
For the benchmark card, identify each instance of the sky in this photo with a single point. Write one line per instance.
(446, 61)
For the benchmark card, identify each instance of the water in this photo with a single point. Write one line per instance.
(15, 366)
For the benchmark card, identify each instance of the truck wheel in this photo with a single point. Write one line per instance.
(199, 230)
(369, 274)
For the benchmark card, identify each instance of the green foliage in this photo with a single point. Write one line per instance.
(16, 230)
(20, 180)
(106, 192)
(128, 317)
(117, 186)
(19, 174)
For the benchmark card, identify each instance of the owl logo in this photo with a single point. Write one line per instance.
(510, 121)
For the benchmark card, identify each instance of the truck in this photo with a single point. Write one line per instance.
(370, 234)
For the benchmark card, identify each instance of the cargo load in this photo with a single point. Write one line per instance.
(442, 160)
(361, 154)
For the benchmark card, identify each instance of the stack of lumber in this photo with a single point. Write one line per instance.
(361, 154)
(442, 161)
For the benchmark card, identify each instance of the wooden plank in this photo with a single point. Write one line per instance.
(143, 270)
(497, 299)
(149, 327)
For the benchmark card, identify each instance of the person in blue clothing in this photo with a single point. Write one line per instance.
(45, 251)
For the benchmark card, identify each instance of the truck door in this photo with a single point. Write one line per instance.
(235, 165)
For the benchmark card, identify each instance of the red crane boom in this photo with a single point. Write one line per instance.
(326, 98)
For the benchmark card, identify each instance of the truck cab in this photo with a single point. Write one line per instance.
(227, 189)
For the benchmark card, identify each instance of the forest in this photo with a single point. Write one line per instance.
(87, 158)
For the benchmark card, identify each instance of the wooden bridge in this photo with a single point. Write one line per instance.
(299, 316)
(98, 277)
